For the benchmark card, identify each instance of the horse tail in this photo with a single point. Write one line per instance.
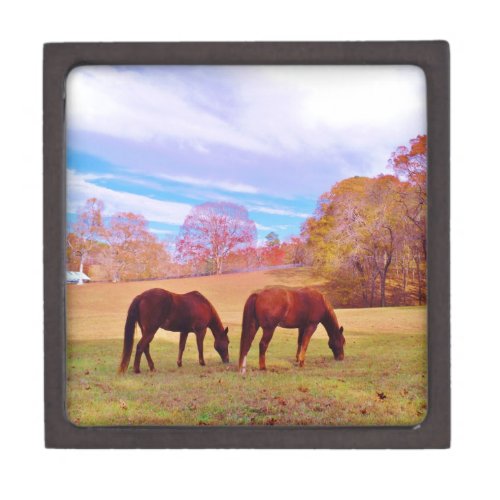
(249, 329)
(128, 339)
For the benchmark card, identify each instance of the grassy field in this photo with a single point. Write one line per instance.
(382, 381)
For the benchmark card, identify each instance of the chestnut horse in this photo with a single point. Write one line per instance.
(184, 313)
(302, 308)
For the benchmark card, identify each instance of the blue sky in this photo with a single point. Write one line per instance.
(159, 140)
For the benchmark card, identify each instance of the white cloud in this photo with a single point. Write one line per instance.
(261, 227)
(277, 211)
(162, 231)
(292, 130)
(274, 110)
(131, 180)
(80, 189)
(235, 187)
(127, 104)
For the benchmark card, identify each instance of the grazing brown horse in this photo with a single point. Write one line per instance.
(302, 308)
(184, 313)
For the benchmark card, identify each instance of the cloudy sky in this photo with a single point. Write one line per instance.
(158, 140)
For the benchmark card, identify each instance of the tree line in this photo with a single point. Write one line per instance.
(122, 249)
(215, 238)
(367, 237)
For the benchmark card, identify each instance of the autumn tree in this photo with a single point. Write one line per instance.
(410, 165)
(133, 252)
(273, 255)
(354, 235)
(242, 259)
(272, 239)
(212, 230)
(296, 251)
(88, 230)
(384, 226)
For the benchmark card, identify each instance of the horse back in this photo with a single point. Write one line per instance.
(190, 311)
(289, 308)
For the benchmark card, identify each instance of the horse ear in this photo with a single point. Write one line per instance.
(341, 330)
(226, 330)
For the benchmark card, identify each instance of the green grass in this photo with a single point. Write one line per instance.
(382, 381)
(324, 392)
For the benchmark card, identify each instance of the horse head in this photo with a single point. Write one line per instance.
(336, 344)
(221, 345)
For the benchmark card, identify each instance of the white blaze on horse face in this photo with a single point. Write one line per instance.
(244, 366)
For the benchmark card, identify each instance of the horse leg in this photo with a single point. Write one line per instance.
(299, 343)
(182, 345)
(308, 332)
(148, 356)
(244, 349)
(141, 347)
(267, 335)
(200, 337)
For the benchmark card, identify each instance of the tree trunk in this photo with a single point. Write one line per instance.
(80, 279)
(404, 271)
(383, 275)
(372, 294)
(218, 265)
(419, 278)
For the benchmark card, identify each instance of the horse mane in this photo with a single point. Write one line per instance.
(216, 321)
(330, 318)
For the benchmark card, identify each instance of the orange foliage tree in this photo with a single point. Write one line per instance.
(367, 230)
(122, 249)
(133, 252)
(409, 163)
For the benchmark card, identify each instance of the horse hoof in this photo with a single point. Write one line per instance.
(202, 363)
(137, 372)
(179, 364)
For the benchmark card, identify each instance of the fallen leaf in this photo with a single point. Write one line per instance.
(363, 411)
(123, 405)
(381, 395)
(271, 421)
(303, 389)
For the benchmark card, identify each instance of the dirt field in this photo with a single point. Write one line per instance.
(382, 381)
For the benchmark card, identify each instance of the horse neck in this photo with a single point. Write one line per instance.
(330, 322)
(216, 324)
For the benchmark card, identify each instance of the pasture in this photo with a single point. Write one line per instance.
(382, 380)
